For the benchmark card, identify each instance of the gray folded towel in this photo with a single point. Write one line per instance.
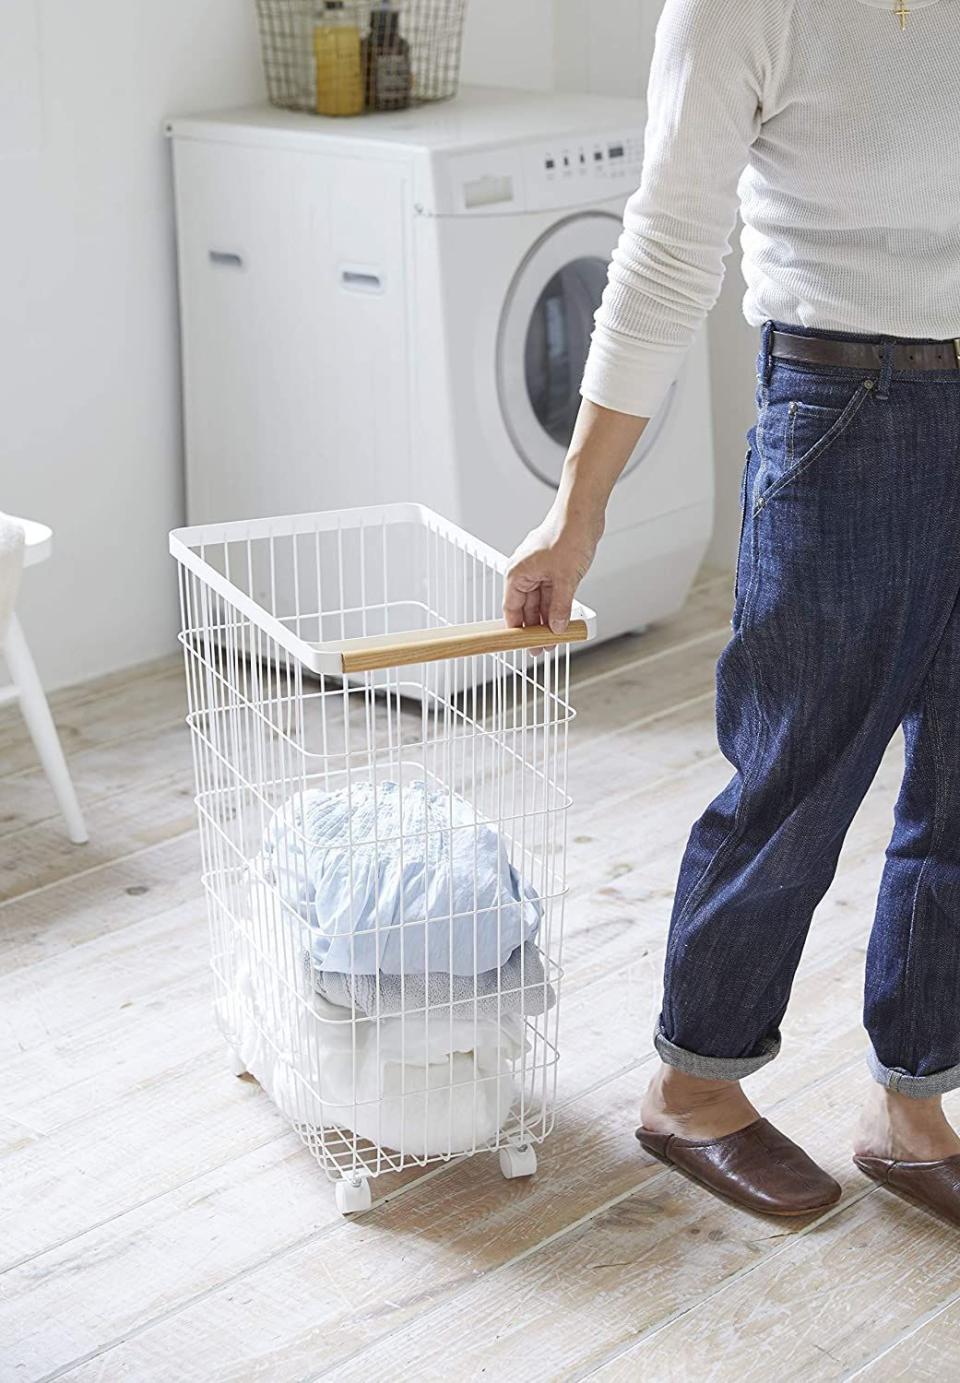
(487, 995)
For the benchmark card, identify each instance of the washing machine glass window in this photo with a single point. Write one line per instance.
(543, 340)
(558, 338)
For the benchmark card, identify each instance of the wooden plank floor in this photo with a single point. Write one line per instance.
(159, 1221)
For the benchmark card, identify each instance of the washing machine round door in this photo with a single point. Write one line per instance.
(543, 340)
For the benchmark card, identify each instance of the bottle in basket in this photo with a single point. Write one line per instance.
(338, 56)
(387, 61)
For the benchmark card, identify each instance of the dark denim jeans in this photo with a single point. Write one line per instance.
(846, 624)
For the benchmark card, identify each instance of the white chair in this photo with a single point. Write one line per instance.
(27, 689)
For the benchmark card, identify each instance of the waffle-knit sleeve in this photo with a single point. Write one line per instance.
(704, 109)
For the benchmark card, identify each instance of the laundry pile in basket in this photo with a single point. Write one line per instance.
(403, 942)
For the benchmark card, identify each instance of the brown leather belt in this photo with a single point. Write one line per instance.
(865, 355)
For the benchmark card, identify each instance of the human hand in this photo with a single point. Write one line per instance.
(547, 568)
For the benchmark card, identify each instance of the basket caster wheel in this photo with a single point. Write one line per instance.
(518, 1162)
(353, 1196)
(235, 1064)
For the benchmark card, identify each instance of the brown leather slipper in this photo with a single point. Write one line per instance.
(934, 1186)
(757, 1168)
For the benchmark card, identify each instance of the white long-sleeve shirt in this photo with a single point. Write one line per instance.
(839, 135)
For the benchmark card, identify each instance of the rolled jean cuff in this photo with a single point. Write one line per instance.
(917, 1087)
(714, 1067)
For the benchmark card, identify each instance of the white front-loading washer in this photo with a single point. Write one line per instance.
(399, 306)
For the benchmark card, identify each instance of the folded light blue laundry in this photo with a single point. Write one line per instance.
(398, 880)
(519, 986)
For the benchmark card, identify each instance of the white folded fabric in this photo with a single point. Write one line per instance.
(420, 1084)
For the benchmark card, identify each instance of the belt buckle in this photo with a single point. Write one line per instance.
(956, 349)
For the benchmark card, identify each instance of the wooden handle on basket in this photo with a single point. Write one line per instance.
(454, 641)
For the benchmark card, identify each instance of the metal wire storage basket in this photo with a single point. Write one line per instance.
(381, 788)
(429, 38)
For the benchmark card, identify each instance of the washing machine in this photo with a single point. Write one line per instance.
(398, 306)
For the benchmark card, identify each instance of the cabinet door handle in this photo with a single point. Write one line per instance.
(361, 280)
(228, 258)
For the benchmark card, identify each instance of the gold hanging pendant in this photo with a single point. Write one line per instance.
(901, 11)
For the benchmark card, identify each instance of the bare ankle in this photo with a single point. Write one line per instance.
(681, 1092)
(694, 1107)
(904, 1127)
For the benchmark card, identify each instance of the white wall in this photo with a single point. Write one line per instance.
(89, 398)
(510, 43)
(604, 45)
(571, 45)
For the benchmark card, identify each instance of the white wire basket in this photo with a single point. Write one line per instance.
(381, 790)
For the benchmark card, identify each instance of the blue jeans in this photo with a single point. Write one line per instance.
(845, 625)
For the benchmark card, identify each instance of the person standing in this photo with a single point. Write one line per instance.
(834, 126)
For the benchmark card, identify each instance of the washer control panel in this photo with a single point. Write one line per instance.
(600, 158)
(572, 171)
(568, 171)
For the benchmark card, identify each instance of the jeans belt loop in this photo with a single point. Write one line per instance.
(766, 356)
(886, 367)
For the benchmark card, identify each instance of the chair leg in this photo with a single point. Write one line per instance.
(43, 732)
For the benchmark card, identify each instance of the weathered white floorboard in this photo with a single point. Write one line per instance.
(159, 1220)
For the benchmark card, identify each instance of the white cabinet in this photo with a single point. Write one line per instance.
(290, 267)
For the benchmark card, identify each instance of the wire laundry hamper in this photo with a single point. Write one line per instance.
(381, 789)
(430, 32)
